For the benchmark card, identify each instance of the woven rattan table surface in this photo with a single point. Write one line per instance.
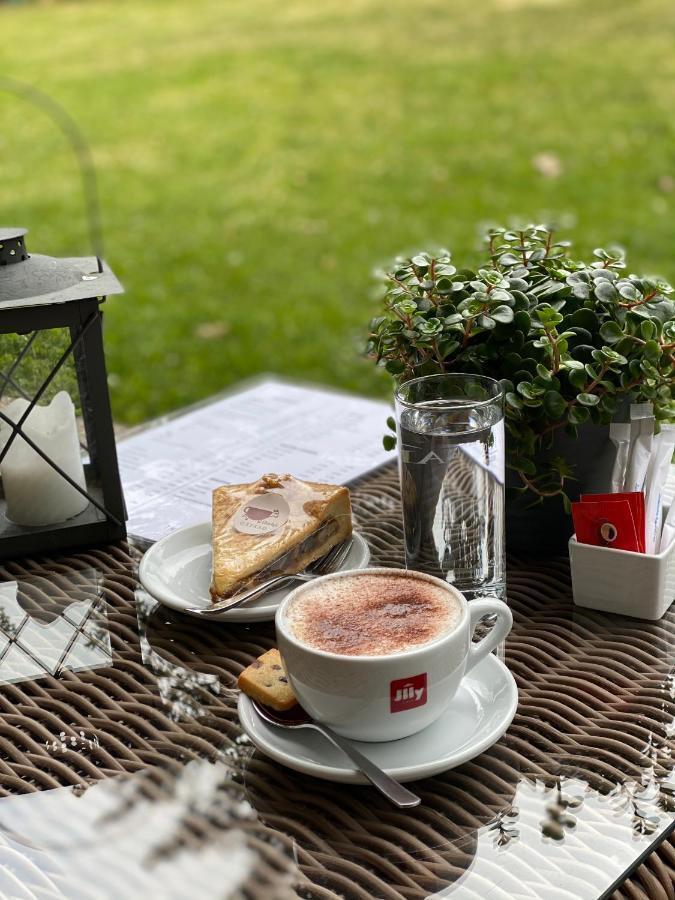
(98, 681)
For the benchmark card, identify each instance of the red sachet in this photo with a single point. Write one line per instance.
(606, 524)
(637, 506)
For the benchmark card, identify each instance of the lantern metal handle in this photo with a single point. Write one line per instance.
(68, 127)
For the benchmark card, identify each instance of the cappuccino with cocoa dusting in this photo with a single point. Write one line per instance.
(372, 614)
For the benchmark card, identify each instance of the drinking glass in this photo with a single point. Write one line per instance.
(451, 464)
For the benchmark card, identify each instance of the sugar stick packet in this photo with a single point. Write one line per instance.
(657, 475)
(668, 533)
(619, 435)
(642, 437)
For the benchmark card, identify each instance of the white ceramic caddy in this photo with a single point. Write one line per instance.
(619, 581)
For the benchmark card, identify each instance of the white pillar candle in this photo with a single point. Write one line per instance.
(35, 493)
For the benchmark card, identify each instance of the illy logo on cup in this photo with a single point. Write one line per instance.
(407, 693)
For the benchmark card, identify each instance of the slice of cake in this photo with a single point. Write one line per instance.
(273, 526)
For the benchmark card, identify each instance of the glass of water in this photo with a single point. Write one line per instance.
(451, 463)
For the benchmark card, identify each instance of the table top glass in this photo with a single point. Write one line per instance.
(124, 772)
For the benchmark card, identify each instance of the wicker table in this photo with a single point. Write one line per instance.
(98, 681)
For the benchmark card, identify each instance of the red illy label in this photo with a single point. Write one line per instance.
(407, 693)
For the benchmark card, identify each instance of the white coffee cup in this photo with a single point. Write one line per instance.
(382, 698)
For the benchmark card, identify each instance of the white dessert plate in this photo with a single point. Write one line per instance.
(478, 716)
(177, 572)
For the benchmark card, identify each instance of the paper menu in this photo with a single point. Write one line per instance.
(169, 470)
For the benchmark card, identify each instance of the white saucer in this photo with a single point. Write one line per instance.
(478, 716)
(177, 572)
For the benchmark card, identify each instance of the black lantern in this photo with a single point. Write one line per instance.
(58, 463)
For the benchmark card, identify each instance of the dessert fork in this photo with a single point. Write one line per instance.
(326, 564)
(296, 717)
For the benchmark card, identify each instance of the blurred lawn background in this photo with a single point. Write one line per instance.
(257, 159)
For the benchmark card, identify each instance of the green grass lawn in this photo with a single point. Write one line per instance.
(257, 159)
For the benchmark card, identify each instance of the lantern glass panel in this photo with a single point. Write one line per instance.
(26, 361)
(33, 493)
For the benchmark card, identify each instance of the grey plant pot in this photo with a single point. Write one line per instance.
(546, 528)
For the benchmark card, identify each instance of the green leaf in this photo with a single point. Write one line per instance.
(520, 301)
(447, 348)
(605, 290)
(608, 404)
(486, 322)
(583, 352)
(548, 316)
(577, 378)
(554, 405)
(394, 366)
(577, 415)
(614, 358)
(420, 261)
(578, 336)
(526, 466)
(518, 284)
(429, 327)
(522, 321)
(628, 291)
(584, 318)
(406, 307)
(389, 442)
(648, 330)
(503, 314)
(501, 295)
(652, 350)
(530, 391)
(581, 290)
(588, 399)
(391, 423)
(514, 400)
(611, 332)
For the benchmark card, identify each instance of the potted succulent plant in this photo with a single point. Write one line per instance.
(572, 342)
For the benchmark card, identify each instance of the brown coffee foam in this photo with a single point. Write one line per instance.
(372, 614)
